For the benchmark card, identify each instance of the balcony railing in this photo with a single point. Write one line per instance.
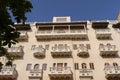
(35, 73)
(23, 36)
(64, 51)
(82, 51)
(8, 73)
(108, 50)
(15, 51)
(112, 72)
(60, 72)
(39, 52)
(62, 34)
(103, 33)
(86, 73)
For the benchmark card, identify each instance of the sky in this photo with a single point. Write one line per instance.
(45, 10)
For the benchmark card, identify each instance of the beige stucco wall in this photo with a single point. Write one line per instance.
(98, 72)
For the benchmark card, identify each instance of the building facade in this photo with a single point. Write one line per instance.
(65, 50)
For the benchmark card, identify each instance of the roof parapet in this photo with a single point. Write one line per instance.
(62, 19)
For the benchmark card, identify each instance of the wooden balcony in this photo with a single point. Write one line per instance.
(82, 51)
(15, 51)
(8, 73)
(60, 72)
(61, 34)
(39, 53)
(108, 50)
(37, 74)
(23, 36)
(86, 73)
(65, 52)
(103, 33)
(112, 72)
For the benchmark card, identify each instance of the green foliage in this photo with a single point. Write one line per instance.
(9, 63)
(9, 58)
(3, 51)
(1, 64)
(11, 9)
(118, 24)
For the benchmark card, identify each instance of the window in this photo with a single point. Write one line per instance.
(60, 47)
(28, 67)
(33, 47)
(76, 66)
(54, 64)
(59, 66)
(40, 46)
(91, 66)
(65, 64)
(47, 47)
(88, 46)
(65, 46)
(107, 64)
(84, 66)
(74, 46)
(55, 47)
(101, 46)
(108, 44)
(44, 66)
(81, 45)
(36, 66)
(115, 64)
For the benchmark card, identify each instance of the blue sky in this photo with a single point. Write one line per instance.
(44, 10)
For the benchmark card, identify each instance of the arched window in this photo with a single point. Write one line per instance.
(65, 65)
(107, 64)
(84, 66)
(115, 64)
(54, 64)
(101, 46)
(36, 66)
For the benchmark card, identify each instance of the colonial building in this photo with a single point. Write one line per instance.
(65, 50)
